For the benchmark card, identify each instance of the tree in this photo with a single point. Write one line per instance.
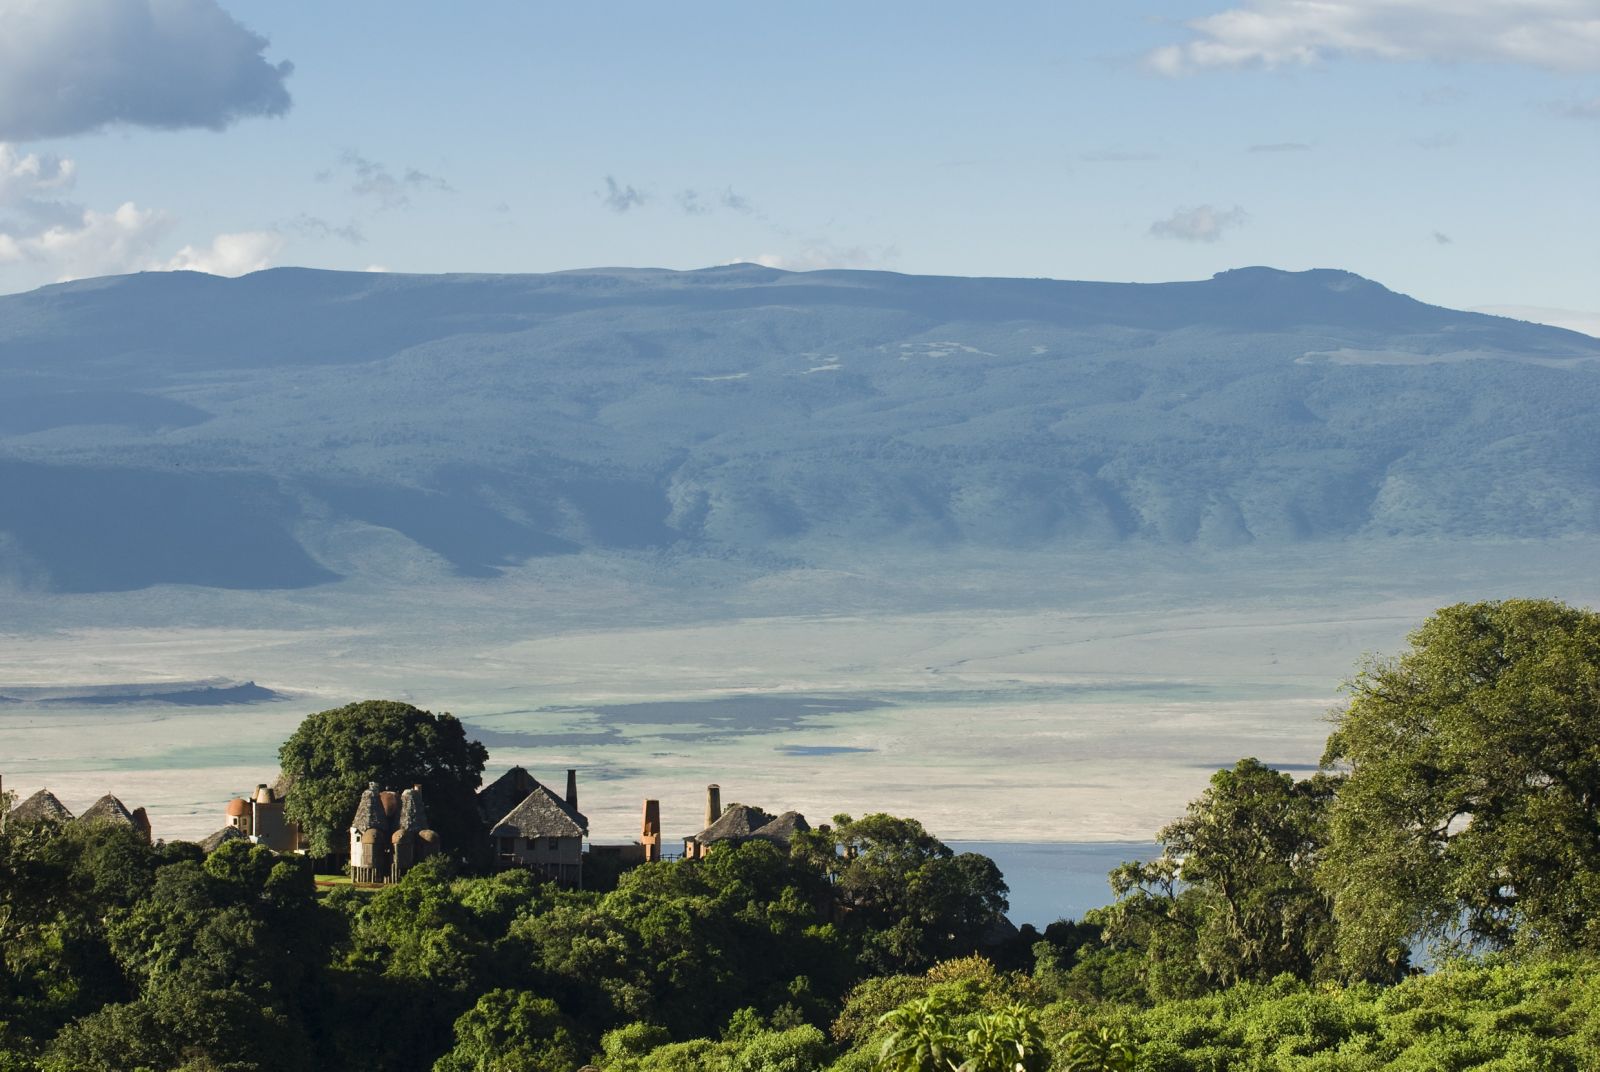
(1471, 814)
(915, 901)
(512, 1031)
(332, 756)
(1233, 896)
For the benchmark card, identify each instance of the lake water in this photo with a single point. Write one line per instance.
(1057, 880)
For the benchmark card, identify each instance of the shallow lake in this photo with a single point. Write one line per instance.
(1057, 880)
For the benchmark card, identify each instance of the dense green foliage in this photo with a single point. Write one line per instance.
(1272, 934)
(332, 756)
(1243, 903)
(1472, 811)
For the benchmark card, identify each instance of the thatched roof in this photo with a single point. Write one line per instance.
(108, 809)
(413, 812)
(209, 844)
(42, 807)
(737, 821)
(369, 811)
(541, 814)
(783, 829)
(505, 792)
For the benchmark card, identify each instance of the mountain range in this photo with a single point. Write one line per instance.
(292, 427)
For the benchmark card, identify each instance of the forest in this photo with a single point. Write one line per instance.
(1429, 899)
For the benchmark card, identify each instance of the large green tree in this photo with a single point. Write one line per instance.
(333, 754)
(1471, 814)
(911, 900)
(1233, 896)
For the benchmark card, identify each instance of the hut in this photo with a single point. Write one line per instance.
(740, 822)
(42, 807)
(389, 834)
(110, 811)
(543, 832)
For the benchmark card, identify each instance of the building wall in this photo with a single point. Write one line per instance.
(271, 829)
(560, 859)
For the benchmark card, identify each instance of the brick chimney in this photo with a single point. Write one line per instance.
(713, 803)
(572, 789)
(650, 831)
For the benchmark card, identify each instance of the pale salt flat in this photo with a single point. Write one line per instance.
(1078, 703)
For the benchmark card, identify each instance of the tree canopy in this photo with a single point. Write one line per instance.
(1471, 814)
(333, 754)
(1233, 896)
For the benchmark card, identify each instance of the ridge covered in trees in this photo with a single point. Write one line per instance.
(1457, 815)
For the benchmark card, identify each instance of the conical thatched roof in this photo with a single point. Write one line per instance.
(541, 814)
(369, 811)
(736, 822)
(42, 807)
(413, 812)
(210, 844)
(108, 809)
(783, 829)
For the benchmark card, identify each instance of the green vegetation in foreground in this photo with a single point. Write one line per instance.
(1460, 808)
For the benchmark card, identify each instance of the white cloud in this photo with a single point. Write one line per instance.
(31, 186)
(825, 255)
(1571, 319)
(1202, 223)
(27, 175)
(229, 254)
(58, 239)
(101, 243)
(1556, 35)
(73, 66)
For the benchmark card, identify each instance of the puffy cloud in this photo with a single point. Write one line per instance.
(1202, 223)
(619, 198)
(73, 66)
(63, 240)
(31, 185)
(97, 243)
(229, 254)
(1557, 35)
(126, 240)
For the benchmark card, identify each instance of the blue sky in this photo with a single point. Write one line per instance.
(1449, 151)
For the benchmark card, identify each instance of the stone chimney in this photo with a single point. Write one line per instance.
(572, 789)
(713, 803)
